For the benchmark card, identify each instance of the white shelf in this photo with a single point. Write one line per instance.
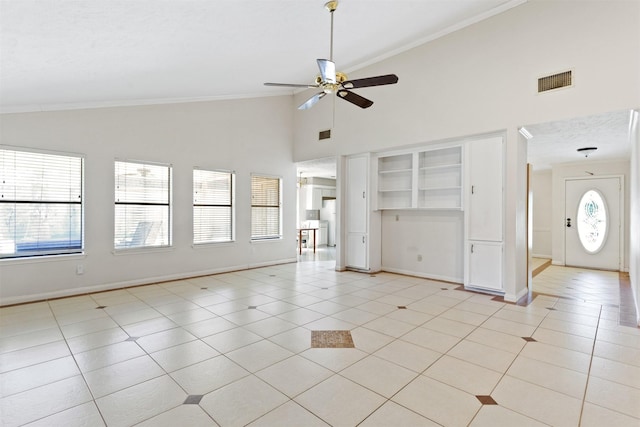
(451, 166)
(421, 179)
(395, 171)
(440, 188)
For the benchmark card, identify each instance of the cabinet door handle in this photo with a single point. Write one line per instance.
(363, 195)
(569, 222)
(471, 248)
(362, 239)
(472, 189)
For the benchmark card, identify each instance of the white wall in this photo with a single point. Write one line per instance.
(541, 188)
(483, 79)
(248, 136)
(436, 237)
(572, 170)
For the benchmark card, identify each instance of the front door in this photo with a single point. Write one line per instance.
(592, 223)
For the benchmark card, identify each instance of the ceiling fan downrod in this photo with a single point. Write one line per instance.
(331, 6)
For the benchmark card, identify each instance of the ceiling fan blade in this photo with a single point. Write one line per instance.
(354, 98)
(327, 70)
(312, 101)
(387, 79)
(290, 85)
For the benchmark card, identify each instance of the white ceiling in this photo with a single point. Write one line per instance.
(90, 53)
(557, 142)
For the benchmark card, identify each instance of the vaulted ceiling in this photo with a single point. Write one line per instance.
(68, 54)
(89, 53)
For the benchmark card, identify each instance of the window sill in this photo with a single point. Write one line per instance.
(270, 240)
(43, 258)
(212, 244)
(137, 251)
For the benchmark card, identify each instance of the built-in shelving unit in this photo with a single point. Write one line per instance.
(440, 178)
(395, 181)
(422, 179)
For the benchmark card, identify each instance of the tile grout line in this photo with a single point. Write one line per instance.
(93, 398)
(586, 386)
(511, 364)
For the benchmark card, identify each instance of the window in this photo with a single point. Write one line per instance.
(212, 206)
(592, 221)
(41, 205)
(265, 208)
(142, 205)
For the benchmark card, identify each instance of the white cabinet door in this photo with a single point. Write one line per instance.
(357, 251)
(357, 172)
(484, 207)
(485, 265)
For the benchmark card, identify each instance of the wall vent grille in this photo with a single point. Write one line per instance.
(324, 134)
(555, 81)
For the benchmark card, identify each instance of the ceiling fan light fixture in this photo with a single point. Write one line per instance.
(586, 150)
(331, 81)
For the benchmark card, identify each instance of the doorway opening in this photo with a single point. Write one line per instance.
(316, 211)
(562, 175)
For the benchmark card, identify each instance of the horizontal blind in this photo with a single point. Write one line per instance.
(212, 206)
(265, 207)
(40, 203)
(142, 205)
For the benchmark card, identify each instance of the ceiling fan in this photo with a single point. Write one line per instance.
(332, 81)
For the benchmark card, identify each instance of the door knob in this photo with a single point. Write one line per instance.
(569, 222)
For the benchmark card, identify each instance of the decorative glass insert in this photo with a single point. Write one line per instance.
(592, 221)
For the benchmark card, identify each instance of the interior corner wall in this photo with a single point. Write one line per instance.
(561, 172)
(542, 204)
(483, 79)
(246, 136)
(634, 207)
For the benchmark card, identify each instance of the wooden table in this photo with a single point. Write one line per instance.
(300, 230)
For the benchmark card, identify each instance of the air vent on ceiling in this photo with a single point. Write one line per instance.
(555, 81)
(324, 134)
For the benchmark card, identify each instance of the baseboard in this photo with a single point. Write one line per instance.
(137, 282)
(516, 297)
(545, 256)
(450, 279)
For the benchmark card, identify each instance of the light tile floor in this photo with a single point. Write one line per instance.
(236, 348)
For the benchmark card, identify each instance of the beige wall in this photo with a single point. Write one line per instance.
(247, 136)
(542, 217)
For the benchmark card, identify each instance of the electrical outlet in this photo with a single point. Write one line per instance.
(419, 257)
(80, 269)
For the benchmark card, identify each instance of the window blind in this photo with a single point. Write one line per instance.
(142, 205)
(212, 206)
(41, 207)
(265, 207)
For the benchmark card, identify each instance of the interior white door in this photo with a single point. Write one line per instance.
(592, 223)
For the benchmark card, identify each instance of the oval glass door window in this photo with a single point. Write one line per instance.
(592, 221)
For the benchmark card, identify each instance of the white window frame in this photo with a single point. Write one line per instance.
(275, 235)
(200, 202)
(10, 189)
(142, 236)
